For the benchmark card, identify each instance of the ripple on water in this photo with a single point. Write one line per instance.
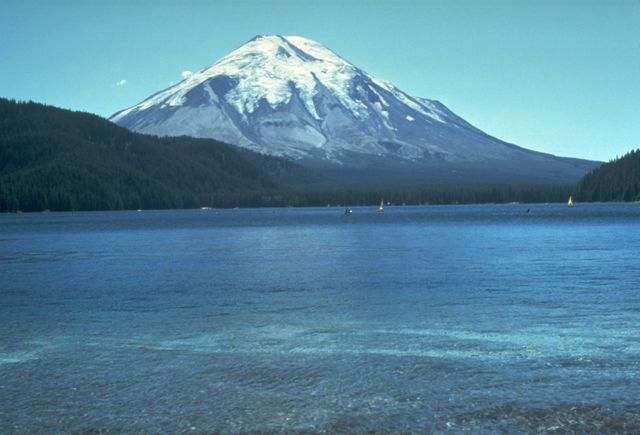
(561, 419)
(435, 319)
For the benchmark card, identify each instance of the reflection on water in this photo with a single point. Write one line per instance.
(477, 318)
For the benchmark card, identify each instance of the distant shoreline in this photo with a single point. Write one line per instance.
(389, 207)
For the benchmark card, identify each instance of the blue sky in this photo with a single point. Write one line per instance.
(555, 76)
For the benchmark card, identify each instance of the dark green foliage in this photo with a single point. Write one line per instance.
(618, 180)
(409, 195)
(54, 159)
(61, 160)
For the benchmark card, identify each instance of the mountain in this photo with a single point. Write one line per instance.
(57, 159)
(293, 97)
(617, 180)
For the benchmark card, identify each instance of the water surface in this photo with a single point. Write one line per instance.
(427, 319)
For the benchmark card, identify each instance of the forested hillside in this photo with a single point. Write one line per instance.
(55, 159)
(618, 180)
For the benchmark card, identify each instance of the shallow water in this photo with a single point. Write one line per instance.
(426, 319)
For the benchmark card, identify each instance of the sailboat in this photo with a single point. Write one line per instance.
(381, 207)
(570, 202)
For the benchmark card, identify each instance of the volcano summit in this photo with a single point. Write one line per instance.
(290, 96)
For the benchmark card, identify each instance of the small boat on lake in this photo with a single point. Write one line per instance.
(381, 207)
(348, 210)
(570, 202)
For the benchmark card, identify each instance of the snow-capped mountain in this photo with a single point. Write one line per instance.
(291, 96)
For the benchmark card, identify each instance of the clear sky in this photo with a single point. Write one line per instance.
(558, 76)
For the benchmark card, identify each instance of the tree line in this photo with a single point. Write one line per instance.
(54, 159)
(58, 160)
(617, 180)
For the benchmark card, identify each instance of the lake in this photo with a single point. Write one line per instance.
(484, 318)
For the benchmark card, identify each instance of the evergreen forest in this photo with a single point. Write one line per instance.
(61, 160)
(617, 180)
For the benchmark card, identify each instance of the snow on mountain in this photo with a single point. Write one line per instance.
(270, 73)
(291, 96)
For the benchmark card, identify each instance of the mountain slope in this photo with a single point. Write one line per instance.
(290, 96)
(57, 159)
(617, 180)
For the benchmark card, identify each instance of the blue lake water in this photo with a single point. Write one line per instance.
(426, 319)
